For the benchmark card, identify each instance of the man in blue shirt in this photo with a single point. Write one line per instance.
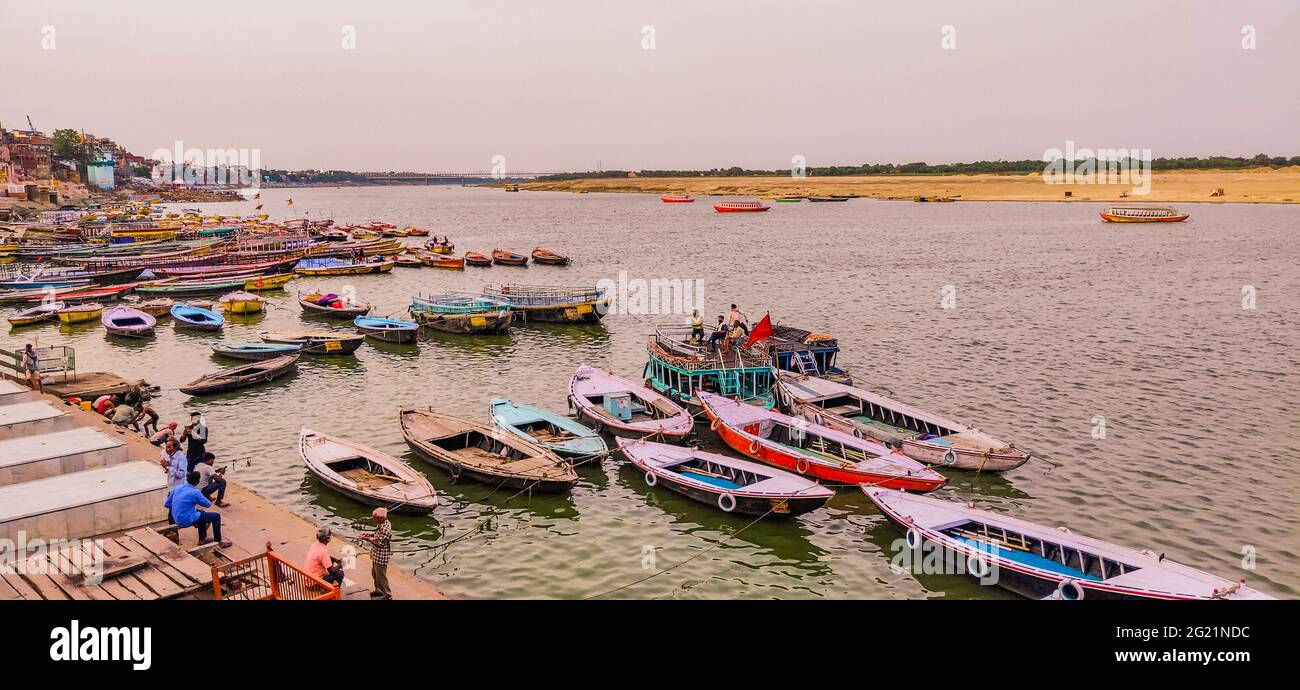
(183, 506)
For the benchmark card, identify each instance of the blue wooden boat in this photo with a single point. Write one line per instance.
(387, 330)
(679, 366)
(462, 313)
(196, 318)
(252, 351)
(554, 432)
(806, 352)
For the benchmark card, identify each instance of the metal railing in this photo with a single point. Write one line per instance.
(56, 359)
(267, 576)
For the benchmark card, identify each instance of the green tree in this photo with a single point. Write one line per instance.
(68, 145)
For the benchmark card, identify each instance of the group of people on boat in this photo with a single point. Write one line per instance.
(728, 330)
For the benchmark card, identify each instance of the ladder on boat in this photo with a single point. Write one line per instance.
(804, 362)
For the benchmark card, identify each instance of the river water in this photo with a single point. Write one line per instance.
(1061, 327)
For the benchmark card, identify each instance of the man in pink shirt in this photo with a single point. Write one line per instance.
(320, 563)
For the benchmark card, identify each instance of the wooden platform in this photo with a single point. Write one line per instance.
(89, 386)
(83, 504)
(47, 455)
(139, 565)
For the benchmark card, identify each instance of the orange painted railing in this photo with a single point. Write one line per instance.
(267, 576)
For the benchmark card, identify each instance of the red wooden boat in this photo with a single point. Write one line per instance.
(102, 294)
(814, 450)
(739, 207)
(545, 256)
(506, 257)
(1143, 214)
(677, 198)
(217, 271)
(477, 259)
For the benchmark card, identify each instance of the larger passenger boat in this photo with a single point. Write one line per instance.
(679, 367)
(551, 304)
(1142, 214)
(739, 207)
(806, 352)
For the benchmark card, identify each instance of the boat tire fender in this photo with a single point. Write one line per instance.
(977, 566)
(651, 479)
(726, 502)
(1070, 590)
(753, 447)
(713, 425)
(914, 538)
(801, 465)
(949, 458)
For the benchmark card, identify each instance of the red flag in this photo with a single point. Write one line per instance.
(259, 208)
(257, 196)
(761, 331)
(291, 202)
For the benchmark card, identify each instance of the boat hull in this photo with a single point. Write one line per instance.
(568, 313)
(1110, 218)
(330, 347)
(232, 379)
(484, 323)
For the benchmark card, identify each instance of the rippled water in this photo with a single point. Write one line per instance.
(1059, 320)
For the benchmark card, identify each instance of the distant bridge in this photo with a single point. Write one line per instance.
(477, 177)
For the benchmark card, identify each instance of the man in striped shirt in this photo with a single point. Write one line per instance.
(380, 552)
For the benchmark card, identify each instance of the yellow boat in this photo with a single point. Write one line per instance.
(273, 282)
(344, 269)
(81, 313)
(242, 303)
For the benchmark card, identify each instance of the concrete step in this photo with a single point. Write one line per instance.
(84, 504)
(31, 419)
(47, 455)
(12, 392)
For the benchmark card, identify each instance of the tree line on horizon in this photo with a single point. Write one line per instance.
(978, 167)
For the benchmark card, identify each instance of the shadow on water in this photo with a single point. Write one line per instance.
(786, 539)
(931, 569)
(357, 514)
(542, 505)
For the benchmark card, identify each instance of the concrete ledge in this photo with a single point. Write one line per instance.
(48, 455)
(84, 504)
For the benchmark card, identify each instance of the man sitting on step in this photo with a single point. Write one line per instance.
(183, 503)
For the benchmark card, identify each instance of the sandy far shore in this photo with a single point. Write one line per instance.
(1257, 185)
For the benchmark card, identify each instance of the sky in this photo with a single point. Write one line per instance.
(448, 85)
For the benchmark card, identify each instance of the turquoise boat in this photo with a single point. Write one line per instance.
(186, 316)
(679, 367)
(554, 432)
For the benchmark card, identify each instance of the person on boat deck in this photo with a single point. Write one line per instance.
(320, 563)
(380, 551)
(212, 481)
(182, 506)
(697, 326)
(739, 319)
(163, 434)
(718, 335)
(196, 437)
(32, 367)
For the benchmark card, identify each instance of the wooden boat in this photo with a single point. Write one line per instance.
(157, 307)
(37, 314)
(417, 232)
(550, 303)
(813, 450)
(740, 207)
(824, 199)
(224, 270)
(477, 259)
(255, 352)
(551, 431)
(268, 282)
(101, 294)
(440, 247)
(678, 366)
(805, 352)
(1040, 562)
(242, 376)
(367, 475)
(202, 286)
(316, 342)
(428, 258)
(461, 313)
(730, 484)
(387, 330)
(465, 448)
(328, 266)
(322, 304)
(81, 313)
(677, 198)
(505, 257)
(407, 261)
(129, 322)
(788, 198)
(624, 408)
(197, 318)
(242, 303)
(547, 257)
(1143, 214)
(23, 282)
(922, 436)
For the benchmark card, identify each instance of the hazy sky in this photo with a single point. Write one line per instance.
(562, 84)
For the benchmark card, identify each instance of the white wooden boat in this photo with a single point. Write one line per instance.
(366, 474)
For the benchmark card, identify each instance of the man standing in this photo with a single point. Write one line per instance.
(182, 504)
(212, 481)
(196, 437)
(380, 552)
(175, 463)
(739, 319)
(32, 367)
